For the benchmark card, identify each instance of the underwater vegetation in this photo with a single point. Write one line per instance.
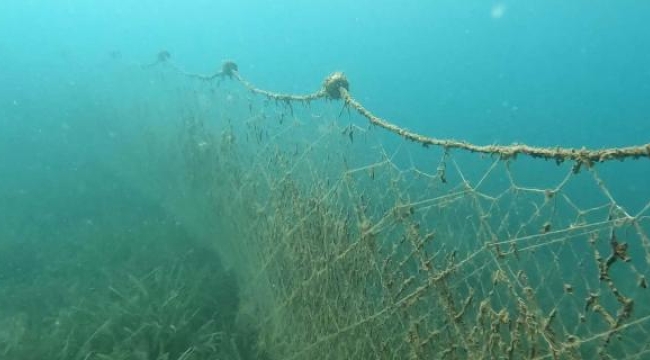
(106, 293)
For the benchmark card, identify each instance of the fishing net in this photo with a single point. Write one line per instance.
(357, 239)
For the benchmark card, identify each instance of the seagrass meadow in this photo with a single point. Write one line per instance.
(152, 211)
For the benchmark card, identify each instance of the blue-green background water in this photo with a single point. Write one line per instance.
(544, 73)
(553, 72)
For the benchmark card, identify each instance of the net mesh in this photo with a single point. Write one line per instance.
(353, 243)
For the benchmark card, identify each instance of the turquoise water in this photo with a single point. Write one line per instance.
(554, 72)
(551, 73)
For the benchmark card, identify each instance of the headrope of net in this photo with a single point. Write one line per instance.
(357, 248)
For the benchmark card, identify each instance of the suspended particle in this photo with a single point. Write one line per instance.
(498, 10)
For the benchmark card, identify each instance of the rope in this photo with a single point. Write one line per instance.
(336, 86)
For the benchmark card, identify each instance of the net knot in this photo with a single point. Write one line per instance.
(163, 56)
(334, 83)
(228, 68)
